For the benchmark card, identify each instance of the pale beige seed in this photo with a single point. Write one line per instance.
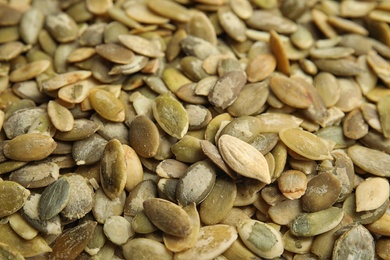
(350, 95)
(367, 79)
(11, 50)
(198, 47)
(117, 229)
(279, 51)
(371, 116)
(98, 7)
(383, 111)
(245, 128)
(381, 226)
(10, 15)
(265, 20)
(382, 247)
(113, 169)
(134, 170)
(81, 54)
(244, 158)
(380, 66)
(77, 92)
(282, 213)
(275, 122)
(64, 79)
(170, 10)
(142, 14)
(292, 184)
(379, 15)
(371, 193)
(29, 147)
(21, 226)
(29, 71)
(339, 67)
(145, 248)
(13, 196)
(136, 64)
(31, 24)
(304, 143)
(168, 217)
(242, 8)
(302, 38)
(321, 21)
(355, 9)
(107, 105)
(311, 224)
(328, 87)
(212, 241)
(298, 245)
(104, 207)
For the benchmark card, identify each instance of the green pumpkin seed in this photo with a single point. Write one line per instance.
(104, 207)
(144, 136)
(146, 248)
(13, 196)
(364, 158)
(170, 115)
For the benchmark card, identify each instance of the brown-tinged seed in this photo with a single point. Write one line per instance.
(292, 184)
(142, 14)
(354, 126)
(13, 196)
(107, 105)
(168, 217)
(113, 169)
(144, 136)
(260, 67)
(29, 71)
(279, 51)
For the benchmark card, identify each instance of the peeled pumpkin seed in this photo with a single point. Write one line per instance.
(61, 80)
(54, 199)
(231, 24)
(117, 229)
(104, 207)
(145, 248)
(26, 248)
(22, 227)
(145, 190)
(71, 244)
(140, 45)
(29, 70)
(36, 175)
(292, 184)
(113, 169)
(212, 241)
(244, 158)
(364, 158)
(356, 239)
(311, 224)
(29, 147)
(261, 238)
(13, 196)
(107, 105)
(201, 177)
(9, 253)
(171, 115)
(371, 193)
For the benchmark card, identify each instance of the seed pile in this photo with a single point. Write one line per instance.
(194, 129)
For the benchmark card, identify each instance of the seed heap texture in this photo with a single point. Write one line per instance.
(194, 129)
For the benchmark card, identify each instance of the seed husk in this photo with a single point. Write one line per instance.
(244, 158)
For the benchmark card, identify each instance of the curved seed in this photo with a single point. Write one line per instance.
(107, 105)
(370, 160)
(29, 71)
(13, 196)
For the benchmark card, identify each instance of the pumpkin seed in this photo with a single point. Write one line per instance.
(13, 196)
(170, 10)
(104, 207)
(232, 25)
(311, 224)
(29, 71)
(265, 20)
(36, 175)
(145, 248)
(107, 105)
(117, 229)
(140, 45)
(364, 158)
(253, 234)
(61, 80)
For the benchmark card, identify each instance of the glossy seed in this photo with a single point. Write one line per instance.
(113, 169)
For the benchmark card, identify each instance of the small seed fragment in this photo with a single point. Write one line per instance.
(292, 184)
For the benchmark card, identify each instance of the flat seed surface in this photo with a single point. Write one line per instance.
(54, 199)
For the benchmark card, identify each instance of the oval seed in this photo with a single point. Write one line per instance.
(61, 117)
(54, 199)
(107, 105)
(12, 197)
(371, 193)
(261, 238)
(144, 136)
(304, 143)
(113, 169)
(292, 184)
(370, 160)
(168, 217)
(244, 158)
(145, 248)
(29, 147)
